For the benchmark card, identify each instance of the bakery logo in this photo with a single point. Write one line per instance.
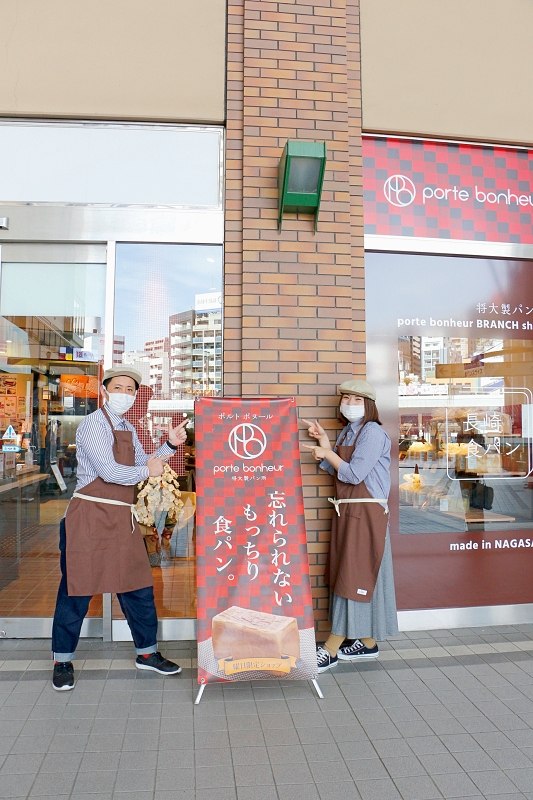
(247, 441)
(399, 190)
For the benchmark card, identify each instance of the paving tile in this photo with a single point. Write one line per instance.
(209, 757)
(428, 745)
(314, 735)
(326, 771)
(475, 761)
(493, 739)
(521, 738)
(210, 777)
(256, 793)
(456, 785)
(100, 760)
(214, 738)
(219, 722)
(314, 719)
(380, 730)
(96, 781)
(91, 796)
(459, 742)
(293, 773)
(522, 778)
(298, 792)
(417, 787)
(16, 785)
(366, 769)
(442, 726)
(174, 779)
(277, 736)
(286, 754)
(382, 789)
(338, 789)
(392, 748)
(403, 766)
(64, 743)
(322, 752)
(511, 758)
(220, 793)
(414, 728)
(105, 742)
(439, 764)
(493, 782)
(253, 775)
(249, 738)
(247, 755)
(359, 749)
(21, 763)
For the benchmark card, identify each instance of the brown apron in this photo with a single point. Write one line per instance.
(357, 540)
(105, 549)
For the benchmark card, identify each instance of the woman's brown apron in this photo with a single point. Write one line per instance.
(105, 549)
(357, 540)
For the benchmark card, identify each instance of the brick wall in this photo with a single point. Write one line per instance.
(294, 300)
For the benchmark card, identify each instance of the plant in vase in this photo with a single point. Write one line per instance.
(158, 508)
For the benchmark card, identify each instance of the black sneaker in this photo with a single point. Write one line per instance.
(156, 663)
(324, 659)
(356, 650)
(63, 678)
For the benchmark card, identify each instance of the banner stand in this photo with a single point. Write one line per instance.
(203, 685)
(254, 604)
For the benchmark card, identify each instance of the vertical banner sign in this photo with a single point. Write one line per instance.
(255, 616)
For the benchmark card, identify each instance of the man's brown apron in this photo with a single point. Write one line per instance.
(357, 540)
(105, 550)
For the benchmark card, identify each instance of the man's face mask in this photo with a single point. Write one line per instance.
(119, 403)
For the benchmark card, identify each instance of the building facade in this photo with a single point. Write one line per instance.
(156, 234)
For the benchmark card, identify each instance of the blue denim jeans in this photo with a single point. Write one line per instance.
(138, 607)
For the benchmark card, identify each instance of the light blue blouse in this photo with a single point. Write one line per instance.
(370, 461)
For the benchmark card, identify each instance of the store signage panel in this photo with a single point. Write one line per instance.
(485, 445)
(255, 617)
(444, 190)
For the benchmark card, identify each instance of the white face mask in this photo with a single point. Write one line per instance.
(119, 403)
(352, 412)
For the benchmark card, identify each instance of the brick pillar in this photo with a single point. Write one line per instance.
(294, 300)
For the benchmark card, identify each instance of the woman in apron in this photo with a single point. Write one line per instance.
(359, 567)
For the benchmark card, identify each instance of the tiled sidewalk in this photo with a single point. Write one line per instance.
(442, 714)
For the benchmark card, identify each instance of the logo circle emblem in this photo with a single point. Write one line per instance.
(247, 441)
(399, 190)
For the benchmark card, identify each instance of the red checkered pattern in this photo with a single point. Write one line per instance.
(495, 171)
(242, 506)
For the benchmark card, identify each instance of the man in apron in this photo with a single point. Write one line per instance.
(101, 547)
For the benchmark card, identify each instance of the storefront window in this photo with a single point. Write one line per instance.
(450, 351)
(51, 351)
(465, 433)
(168, 325)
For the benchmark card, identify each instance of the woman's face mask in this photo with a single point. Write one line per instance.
(119, 403)
(352, 411)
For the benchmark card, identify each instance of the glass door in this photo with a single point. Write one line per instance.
(168, 324)
(52, 312)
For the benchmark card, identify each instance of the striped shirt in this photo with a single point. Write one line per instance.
(94, 452)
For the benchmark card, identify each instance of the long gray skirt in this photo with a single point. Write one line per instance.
(377, 619)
